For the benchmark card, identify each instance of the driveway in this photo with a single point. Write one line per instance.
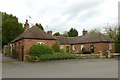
(77, 68)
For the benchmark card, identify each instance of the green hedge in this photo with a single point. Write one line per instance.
(29, 58)
(57, 56)
(40, 49)
(56, 47)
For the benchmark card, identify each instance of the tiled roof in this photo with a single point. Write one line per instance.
(34, 33)
(88, 38)
(67, 40)
(96, 37)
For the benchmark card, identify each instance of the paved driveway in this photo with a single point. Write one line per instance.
(89, 68)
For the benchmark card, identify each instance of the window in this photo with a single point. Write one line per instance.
(82, 46)
(61, 46)
(40, 43)
(73, 47)
(110, 46)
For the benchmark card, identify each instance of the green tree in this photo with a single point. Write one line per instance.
(73, 32)
(40, 26)
(56, 34)
(11, 28)
(111, 31)
(117, 41)
(94, 30)
(65, 34)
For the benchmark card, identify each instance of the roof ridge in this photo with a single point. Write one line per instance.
(34, 33)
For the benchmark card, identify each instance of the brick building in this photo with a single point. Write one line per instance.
(35, 35)
(29, 37)
(99, 42)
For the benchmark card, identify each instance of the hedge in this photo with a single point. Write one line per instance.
(40, 49)
(57, 56)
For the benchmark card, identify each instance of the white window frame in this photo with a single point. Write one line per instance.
(40, 43)
(82, 46)
(110, 46)
(61, 46)
(73, 47)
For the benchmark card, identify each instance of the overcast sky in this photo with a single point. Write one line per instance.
(61, 15)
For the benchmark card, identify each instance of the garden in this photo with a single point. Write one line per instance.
(42, 52)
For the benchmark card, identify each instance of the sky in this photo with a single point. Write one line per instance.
(61, 15)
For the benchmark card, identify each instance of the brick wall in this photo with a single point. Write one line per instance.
(97, 47)
(29, 42)
(26, 44)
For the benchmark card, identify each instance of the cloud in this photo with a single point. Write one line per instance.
(61, 15)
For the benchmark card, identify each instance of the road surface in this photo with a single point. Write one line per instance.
(77, 68)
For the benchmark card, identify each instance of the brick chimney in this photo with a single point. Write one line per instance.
(49, 32)
(26, 25)
(85, 32)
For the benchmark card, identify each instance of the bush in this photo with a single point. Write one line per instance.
(29, 58)
(83, 50)
(56, 56)
(40, 49)
(62, 50)
(8, 53)
(14, 54)
(56, 47)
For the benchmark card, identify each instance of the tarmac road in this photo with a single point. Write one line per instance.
(77, 68)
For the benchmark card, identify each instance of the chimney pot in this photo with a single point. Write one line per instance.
(85, 32)
(26, 25)
(49, 32)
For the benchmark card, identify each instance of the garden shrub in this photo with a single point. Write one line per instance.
(83, 50)
(40, 49)
(62, 50)
(8, 53)
(56, 56)
(29, 58)
(14, 54)
(56, 47)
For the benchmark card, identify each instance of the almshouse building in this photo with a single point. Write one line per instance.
(98, 41)
(29, 37)
(34, 35)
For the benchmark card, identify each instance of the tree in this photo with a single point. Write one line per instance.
(117, 40)
(111, 31)
(56, 34)
(65, 34)
(73, 32)
(40, 26)
(11, 28)
(94, 30)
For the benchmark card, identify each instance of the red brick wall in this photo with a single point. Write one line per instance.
(97, 47)
(29, 42)
(64, 47)
(17, 46)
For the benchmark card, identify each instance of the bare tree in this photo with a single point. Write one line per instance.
(111, 31)
(94, 30)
